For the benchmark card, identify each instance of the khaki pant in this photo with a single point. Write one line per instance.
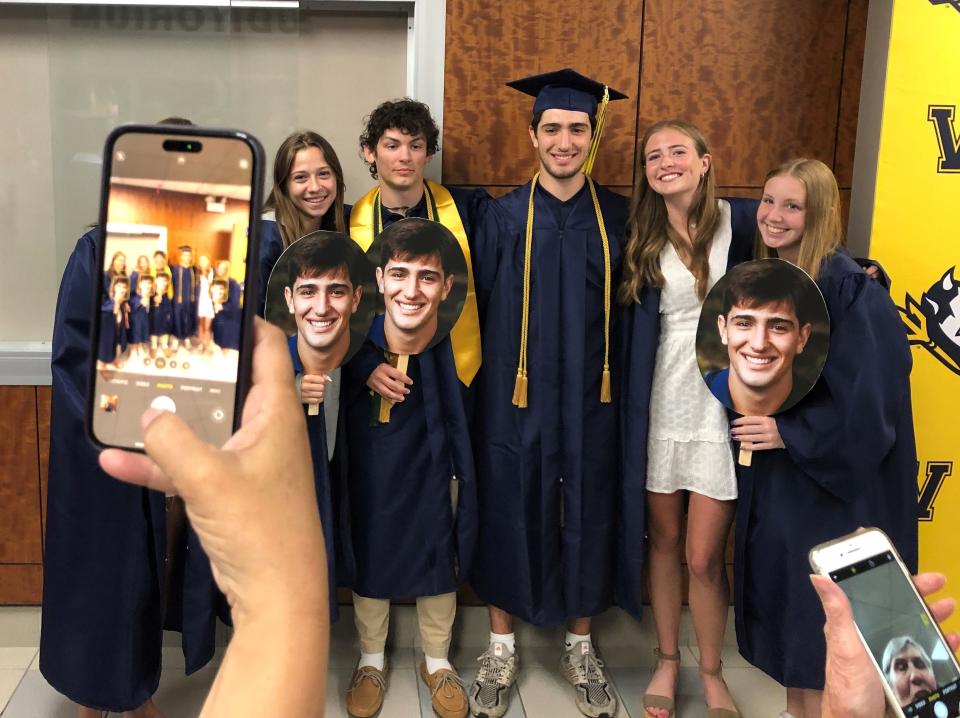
(435, 616)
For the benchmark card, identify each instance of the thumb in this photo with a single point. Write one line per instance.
(168, 441)
(836, 606)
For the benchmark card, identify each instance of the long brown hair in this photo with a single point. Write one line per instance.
(823, 228)
(112, 273)
(293, 223)
(649, 230)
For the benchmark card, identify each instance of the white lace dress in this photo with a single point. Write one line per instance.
(204, 300)
(688, 446)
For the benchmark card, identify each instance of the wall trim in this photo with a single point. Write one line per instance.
(869, 122)
(25, 363)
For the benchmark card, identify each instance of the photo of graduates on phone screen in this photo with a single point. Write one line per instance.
(158, 315)
(171, 298)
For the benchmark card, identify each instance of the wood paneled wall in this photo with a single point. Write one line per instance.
(766, 80)
(186, 219)
(24, 432)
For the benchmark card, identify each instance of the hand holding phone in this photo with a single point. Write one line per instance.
(881, 637)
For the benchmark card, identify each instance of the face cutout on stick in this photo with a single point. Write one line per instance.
(762, 338)
(322, 295)
(421, 276)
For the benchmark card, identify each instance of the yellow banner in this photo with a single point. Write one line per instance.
(916, 235)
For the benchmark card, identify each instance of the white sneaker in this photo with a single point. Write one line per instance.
(584, 670)
(490, 692)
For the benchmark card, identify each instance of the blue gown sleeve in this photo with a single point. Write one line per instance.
(882, 277)
(639, 336)
(743, 221)
(271, 247)
(98, 533)
(841, 433)
(486, 246)
(471, 206)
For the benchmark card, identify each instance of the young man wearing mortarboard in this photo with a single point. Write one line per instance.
(547, 260)
(183, 278)
(398, 141)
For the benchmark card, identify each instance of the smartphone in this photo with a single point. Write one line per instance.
(919, 672)
(177, 260)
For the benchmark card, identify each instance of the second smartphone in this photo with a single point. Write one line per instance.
(919, 672)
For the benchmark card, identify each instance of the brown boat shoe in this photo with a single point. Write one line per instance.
(448, 696)
(365, 694)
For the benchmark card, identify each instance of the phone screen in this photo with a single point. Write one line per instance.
(916, 663)
(170, 306)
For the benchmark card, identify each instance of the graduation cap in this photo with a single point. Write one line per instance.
(567, 89)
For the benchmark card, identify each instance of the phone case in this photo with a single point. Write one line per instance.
(251, 275)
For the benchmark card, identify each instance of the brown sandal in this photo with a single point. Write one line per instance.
(656, 702)
(720, 712)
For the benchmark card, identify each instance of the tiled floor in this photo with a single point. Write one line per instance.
(541, 692)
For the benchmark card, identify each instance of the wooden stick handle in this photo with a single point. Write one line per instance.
(403, 361)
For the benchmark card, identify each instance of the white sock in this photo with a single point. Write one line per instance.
(374, 660)
(573, 639)
(507, 639)
(435, 664)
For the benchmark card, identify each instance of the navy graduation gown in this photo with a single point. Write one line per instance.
(102, 618)
(140, 319)
(226, 326)
(271, 247)
(235, 293)
(161, 317)
(185, 289)
(330, 481)
(547, 474)
(407, 540)
(640, 336)
(849, 461)
(114, 330)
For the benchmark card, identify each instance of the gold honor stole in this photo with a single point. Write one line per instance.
(365, 226)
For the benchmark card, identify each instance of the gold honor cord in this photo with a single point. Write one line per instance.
(521, 383)
(597, 131)
(606, 395)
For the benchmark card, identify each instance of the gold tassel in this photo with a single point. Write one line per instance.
(516, 388)
(606, 396)
(597, 131)
(520, 392)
